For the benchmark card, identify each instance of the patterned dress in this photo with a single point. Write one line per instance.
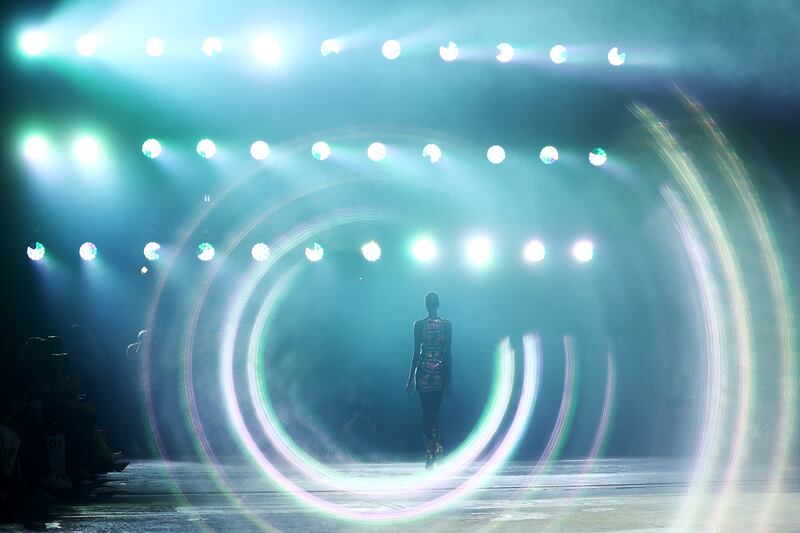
(430, 369)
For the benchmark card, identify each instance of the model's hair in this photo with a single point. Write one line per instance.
(432, 301)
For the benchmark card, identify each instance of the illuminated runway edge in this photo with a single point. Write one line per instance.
(610, 495)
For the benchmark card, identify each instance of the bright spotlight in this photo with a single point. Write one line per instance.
(449, 52)
(391, 49)
(88, 251)
(505, 52)
(496, 154)
(212, 46)
(425, 250)
(33, 43)
(86, 45)
(206, 148)
(376, 151)
(259, 150)
(616, 58)
(151, 251)
(154, 47)
(432, 152)
(260, 252)
(267, 49)
(35, 148)
(151, 148)
(37, 252)
(320, 150)
(205, 252)
(371, 251)
(314, 252)
(558, 54)
(86, 150)
(548, 155)
(533, 252)
(144, 270)
(598, 157)
(330, 46)
(583, 251)
(479, 251)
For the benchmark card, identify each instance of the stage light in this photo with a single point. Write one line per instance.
(144, 270)
(86, 45)
(496, 154)
(206, 148)
(259, 150)
(449, 52)
(376, 151)
(320, 150)
(35, 148)
(212, 46)
(33, 43)
(88, 251)
(616, 58)
(425, 250)
(37, 252)
(432, 152)
(151, 148)
(558, 54)
(371, 251)
(314, 252)
(205, 252)
(505, 52)
(391, 49)
(86, 150)
(151, 251)
(479, 251)
(155, 47)
(267, 49)
(533, 252)
(583, 251)
(329, 46)
(548, 155)
(260, 251)
(598, 157)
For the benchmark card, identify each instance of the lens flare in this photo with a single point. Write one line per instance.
(391, 49)
(86, 150)
(505, 52)
(88, 251)
(212, 46)
(36, 253)
(314, 252)
(267, 50)
(548, 155)
(376, 151)
(425, 250)
(598, 157)
(155, 47)
(496, 154)
(616, 57)
(533, 252)
(206, 148)
(320, 150)
(205, 252)
(144, 270)
(479, 251)
(558, 54)
(151, 251)
(86, 45)
(259, 150)
(449, 52)
(260, 252)
(35, 148)
(329, 46)
(371, 251)
(432, 152)
(33, 42)
(151, 148)
(583, 251)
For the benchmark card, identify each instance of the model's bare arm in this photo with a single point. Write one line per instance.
(414, 355)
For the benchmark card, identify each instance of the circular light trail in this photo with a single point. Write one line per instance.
(598, 157)
(425, 250)
(548, 155)
(449, 52)
(33, 42)
(36, 253)
(533, 252)
(558, 54)
(205, 252)
(391, 49)
(371, 251)
(320, 150)
(87, 251)
(616, 57)
(432, 152)
(155, 47)
(376, 151)
(329, 46)
(151, 251)
(86, 45)
(35, 148)
(505, 52)
(212, 46)
(314, 252)
(259, 150)
(260, 252)
(496, 154)
(206, 148)
(267, 50)
(479, 251)
(583, 251)
(151, 148)
(86, 150)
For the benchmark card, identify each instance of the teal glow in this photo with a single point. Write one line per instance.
(86, 45)
(33, 42)
(86, 150)
(35, 148)
(155, 47)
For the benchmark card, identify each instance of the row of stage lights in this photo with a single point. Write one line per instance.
(477, 251)
(268, 50)
(87, 150)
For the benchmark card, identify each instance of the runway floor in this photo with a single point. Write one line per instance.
(610, 495)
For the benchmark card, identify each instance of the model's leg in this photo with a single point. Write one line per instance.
(427, 401)
(435, 408)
